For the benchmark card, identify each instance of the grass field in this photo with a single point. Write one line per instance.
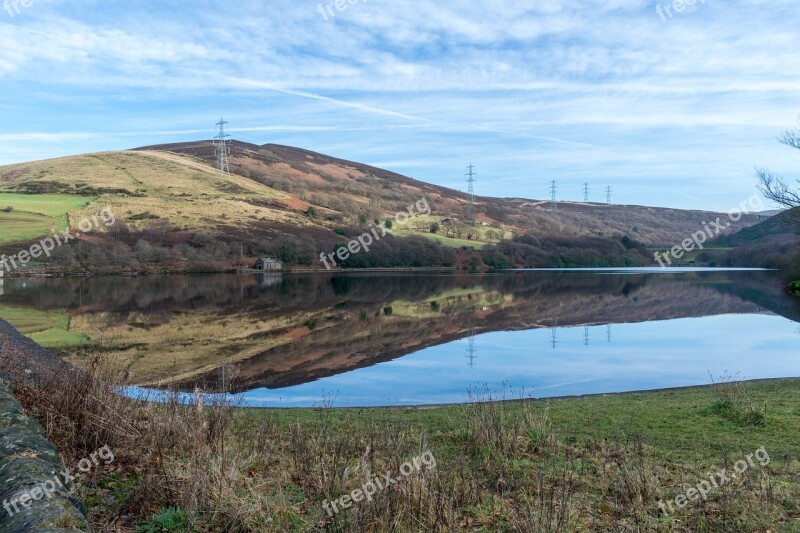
(600, 463)
(50, 329)
(455, 243)
(35, 215)
(420, 226)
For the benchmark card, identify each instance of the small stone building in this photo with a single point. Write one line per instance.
(268, 264)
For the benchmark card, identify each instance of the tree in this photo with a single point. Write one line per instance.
(775, 188)
(435, 227)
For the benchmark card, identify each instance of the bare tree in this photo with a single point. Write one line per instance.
(775, 188)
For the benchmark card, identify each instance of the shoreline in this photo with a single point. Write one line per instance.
(626, 269)
(516, 401)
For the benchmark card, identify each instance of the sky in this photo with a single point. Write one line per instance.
(673, 109)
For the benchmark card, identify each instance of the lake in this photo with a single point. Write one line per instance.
(378, 339)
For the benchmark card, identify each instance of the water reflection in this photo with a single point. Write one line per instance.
(300, 333)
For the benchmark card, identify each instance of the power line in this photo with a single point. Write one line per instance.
(222, 145)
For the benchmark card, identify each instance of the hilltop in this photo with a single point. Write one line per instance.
(172, 208)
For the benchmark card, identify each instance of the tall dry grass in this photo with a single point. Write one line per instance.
(500, 467)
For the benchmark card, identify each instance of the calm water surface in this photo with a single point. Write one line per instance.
(374, 339)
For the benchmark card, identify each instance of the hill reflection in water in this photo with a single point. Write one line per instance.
(399, 338)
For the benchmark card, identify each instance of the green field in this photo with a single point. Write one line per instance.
(50, 329)
(455, 243)
(37, 215)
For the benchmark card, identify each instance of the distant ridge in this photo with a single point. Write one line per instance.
(300, 202)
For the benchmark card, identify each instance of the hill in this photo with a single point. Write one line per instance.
(774, 243)
(783, 228)
(173, 208)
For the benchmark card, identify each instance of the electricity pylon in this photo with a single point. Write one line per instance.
(469, 178)
(221, 144)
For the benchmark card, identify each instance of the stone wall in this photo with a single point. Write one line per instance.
(30, 468)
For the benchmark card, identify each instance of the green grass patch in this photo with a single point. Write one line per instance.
(676, 423)
(167, 520)
(455, 243)
(48, 328)
(35, 215)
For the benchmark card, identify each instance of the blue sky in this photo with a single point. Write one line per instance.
(673, 112)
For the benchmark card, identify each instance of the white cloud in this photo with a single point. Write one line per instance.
(597, 88)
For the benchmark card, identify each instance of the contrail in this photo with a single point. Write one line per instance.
(363, 107)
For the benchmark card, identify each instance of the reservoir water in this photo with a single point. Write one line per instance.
(377, 339)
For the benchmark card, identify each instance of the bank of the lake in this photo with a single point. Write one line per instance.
(582, 464)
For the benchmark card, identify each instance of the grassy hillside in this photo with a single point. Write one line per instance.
(782, 228)
(774, 243)
(287, 202)
(344, 189)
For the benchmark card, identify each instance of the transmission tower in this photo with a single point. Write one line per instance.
(553, 189)
(471, 350)
(608, 194)
(586, 193)
(469, 177)
(222, 145)
(586, 335)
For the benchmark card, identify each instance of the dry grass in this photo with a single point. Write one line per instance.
(500, 467)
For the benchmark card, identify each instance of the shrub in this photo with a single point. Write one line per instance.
(735, 404)
(794, 287)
